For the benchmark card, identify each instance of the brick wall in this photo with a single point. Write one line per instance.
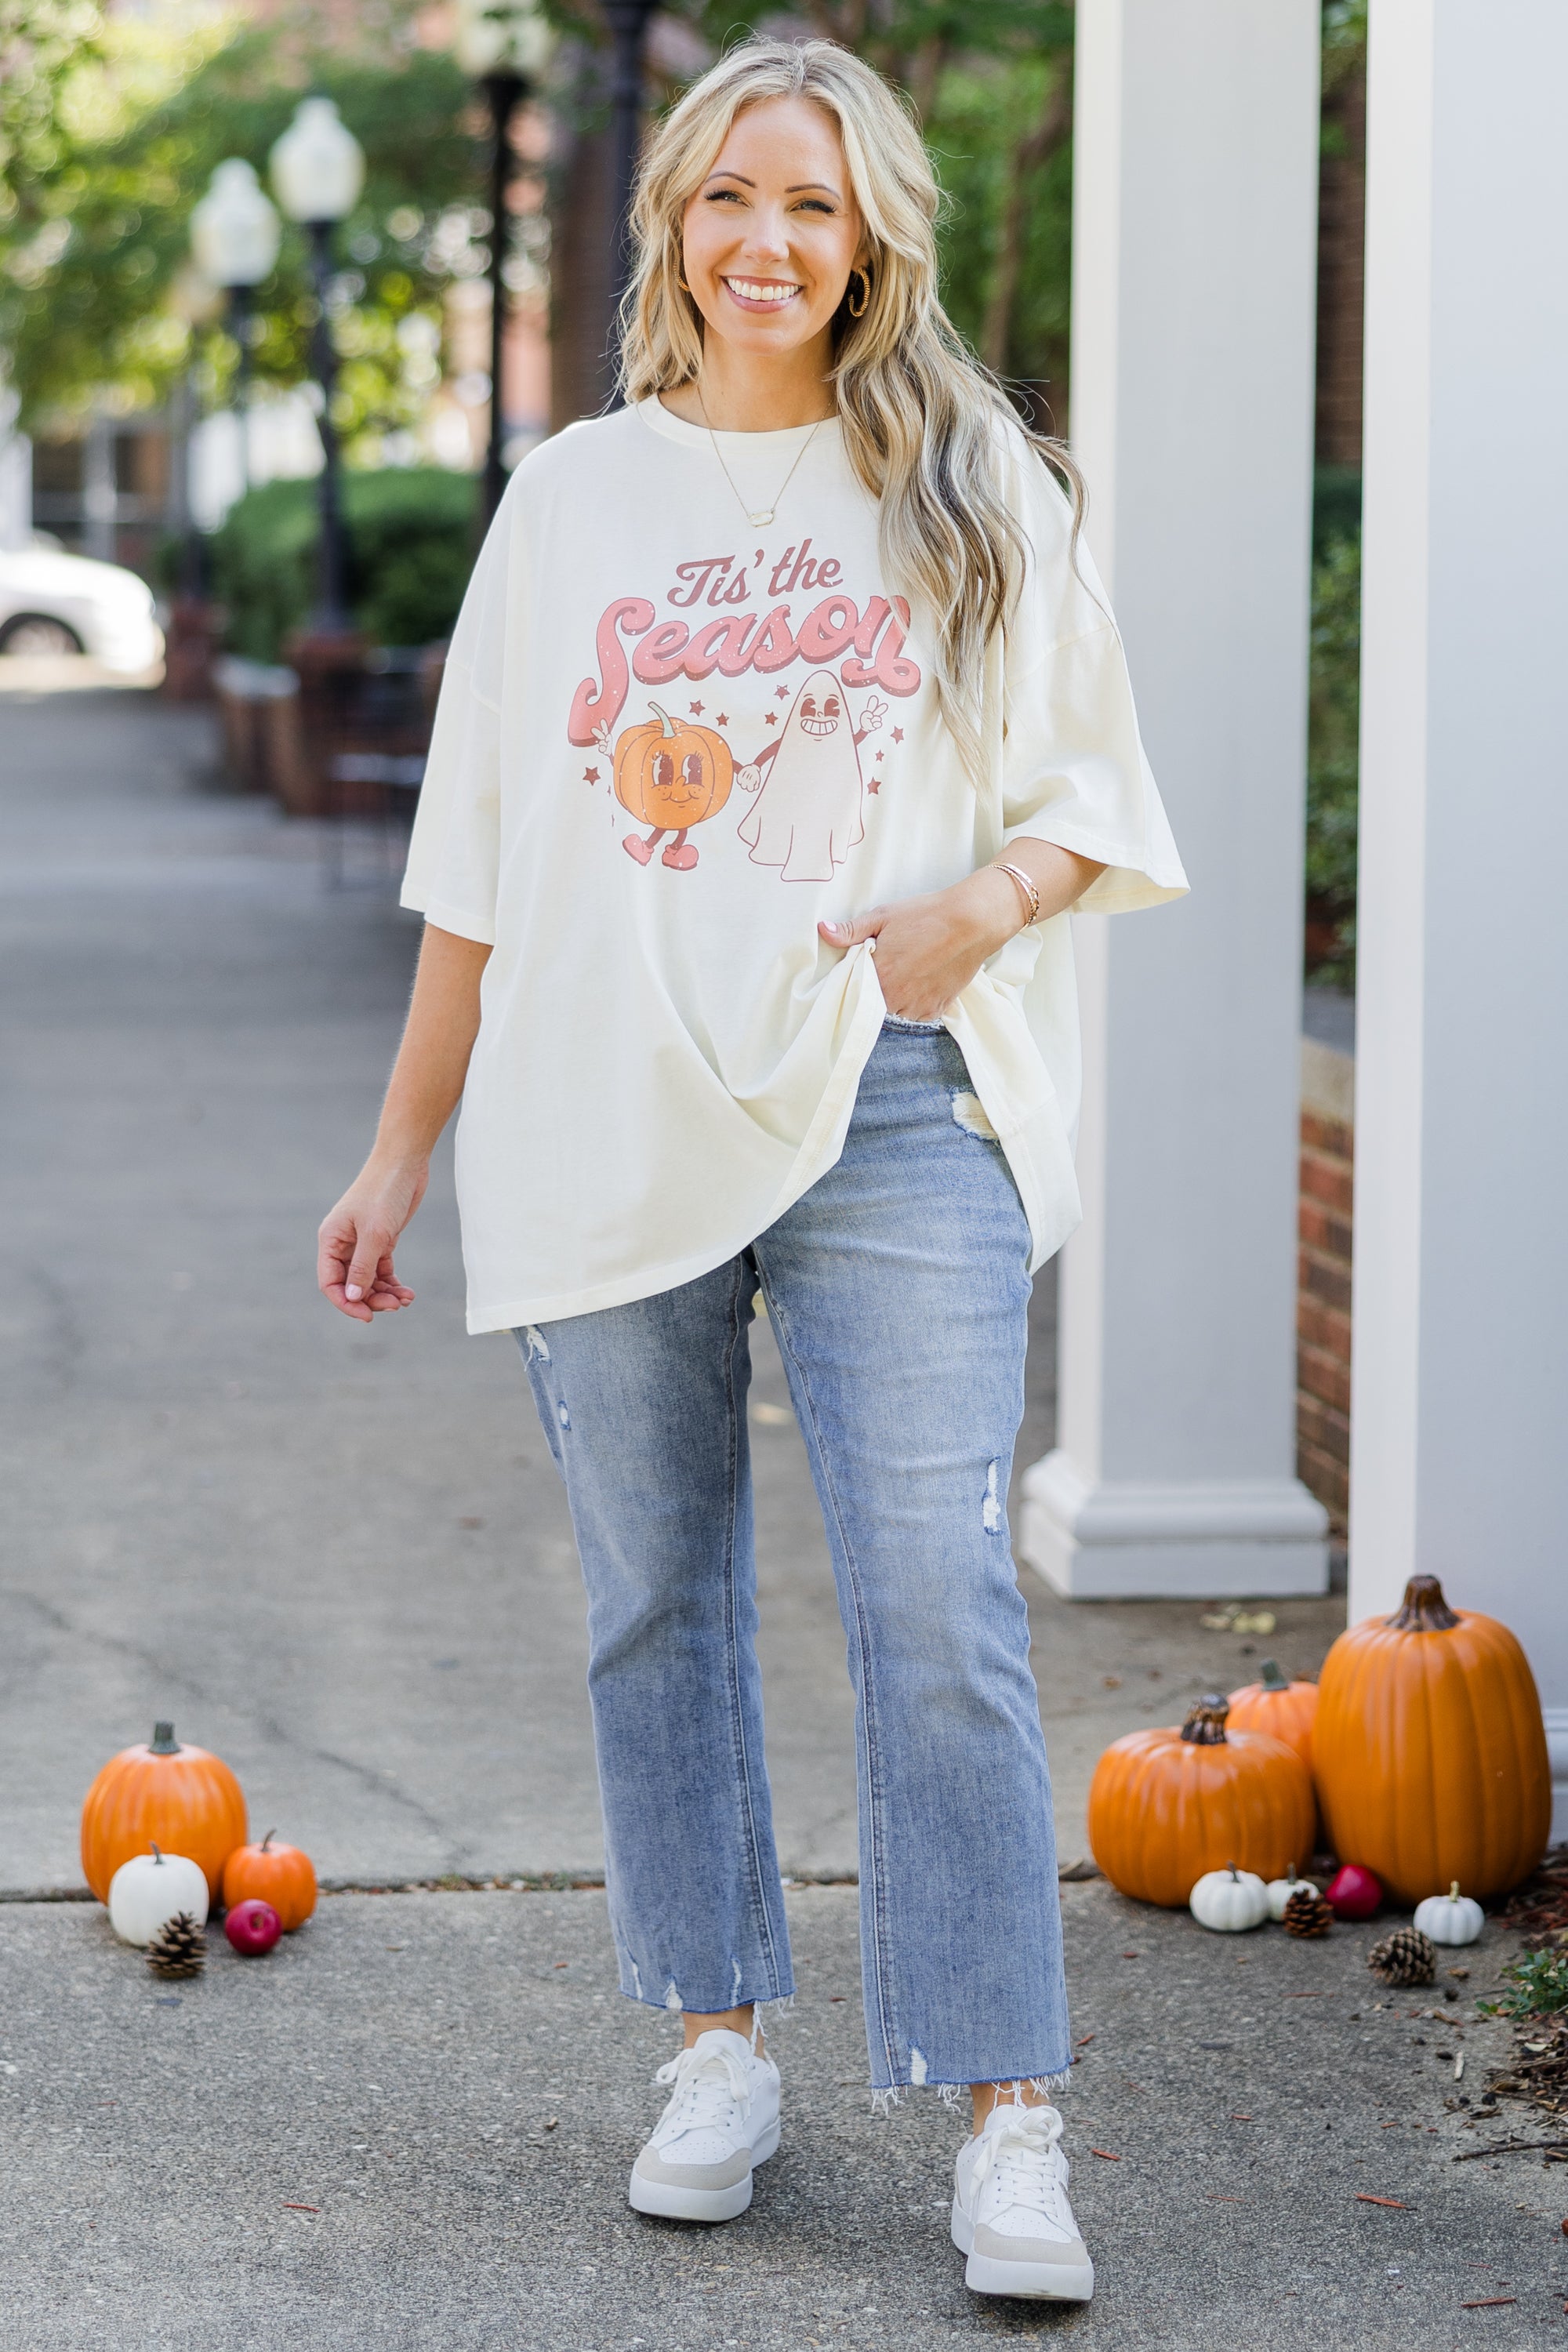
(1323, 1283)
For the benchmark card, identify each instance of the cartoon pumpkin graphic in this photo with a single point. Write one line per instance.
(671, 775)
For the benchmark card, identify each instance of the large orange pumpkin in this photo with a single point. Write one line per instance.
(1166, 1806)
(189, 1801)
(279, 1874)
(1429, 1749)
(1285, 1709)
(671, 774)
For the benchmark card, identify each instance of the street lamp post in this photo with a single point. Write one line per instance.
(235, 235)
(318, 170)
(505, 47)
(627, 21)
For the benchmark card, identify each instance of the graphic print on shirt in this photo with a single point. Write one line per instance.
(807, 814)
(671, 773)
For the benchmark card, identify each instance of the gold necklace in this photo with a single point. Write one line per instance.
(763, 515)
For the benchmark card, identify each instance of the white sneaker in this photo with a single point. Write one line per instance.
(1010, 2210)
(722, 2119)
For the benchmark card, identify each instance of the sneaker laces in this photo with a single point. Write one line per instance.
(1030, 2170)
(704, 2083)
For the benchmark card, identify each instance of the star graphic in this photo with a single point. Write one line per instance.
(723, 720)
(874, 785)
(771, 717)
(881, 755)
(695, 709)
(897, 734)
(590, 775)
(780, 694)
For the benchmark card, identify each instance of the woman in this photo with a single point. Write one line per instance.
(779, 730)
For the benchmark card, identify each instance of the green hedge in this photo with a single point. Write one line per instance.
(410, 535)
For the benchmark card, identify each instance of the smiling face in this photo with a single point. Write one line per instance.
(820, 713)
(771, 236)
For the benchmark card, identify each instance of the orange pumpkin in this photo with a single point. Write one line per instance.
(1166, 1806)
(1285, 1709)
(672, 774)
(1430, 1751)
(187, 1801)
(279, 1874)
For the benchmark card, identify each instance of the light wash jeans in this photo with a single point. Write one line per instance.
(897, 1290)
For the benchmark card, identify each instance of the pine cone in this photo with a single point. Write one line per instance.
(1306, 1914)
(1405, 1957)
(179, 1948)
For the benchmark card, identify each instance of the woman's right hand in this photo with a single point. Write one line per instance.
(353, 1259)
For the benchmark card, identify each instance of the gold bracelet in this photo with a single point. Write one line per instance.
(1031, 895)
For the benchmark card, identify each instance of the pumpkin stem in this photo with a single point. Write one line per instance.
(1424, 1609)
(267, 1840)
(1234, 1872)
(1273, 1680)
(164, 1742)
(1205, 1726)
(1453, 1892)
(157, 1849)
(664, 720)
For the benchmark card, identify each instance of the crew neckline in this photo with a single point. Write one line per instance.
(660, 419)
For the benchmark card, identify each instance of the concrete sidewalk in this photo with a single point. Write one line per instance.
(411, 2128)
(340, 1558)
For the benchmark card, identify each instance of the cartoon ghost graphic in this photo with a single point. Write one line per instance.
(806, 816)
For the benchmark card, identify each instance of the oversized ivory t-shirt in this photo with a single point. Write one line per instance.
(669, 740)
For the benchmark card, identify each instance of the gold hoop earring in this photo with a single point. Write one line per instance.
(857, 311)
(681, 283)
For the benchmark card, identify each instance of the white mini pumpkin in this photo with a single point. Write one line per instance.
(146, 1893)
(1280, 1890)
(1229, 1900)
(1450, 1918)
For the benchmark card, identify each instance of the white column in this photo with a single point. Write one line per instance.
(1459, 1431)
(1195, 210)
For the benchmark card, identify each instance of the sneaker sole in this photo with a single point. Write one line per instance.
(1032, 2282)
(673, 2203)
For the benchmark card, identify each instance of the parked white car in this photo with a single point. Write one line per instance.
(52, 603)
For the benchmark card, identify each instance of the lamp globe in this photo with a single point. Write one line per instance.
(509, 36)
(235, 231)
(318, 166)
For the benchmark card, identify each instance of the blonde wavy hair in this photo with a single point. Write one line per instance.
(924, 423)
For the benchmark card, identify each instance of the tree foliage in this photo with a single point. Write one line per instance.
(123, 126)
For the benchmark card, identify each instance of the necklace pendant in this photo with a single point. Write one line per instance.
(762, 518)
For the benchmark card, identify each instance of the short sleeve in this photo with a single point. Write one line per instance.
(1073, 766)
(454, 855)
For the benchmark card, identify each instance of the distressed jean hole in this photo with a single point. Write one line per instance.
(969, 1113)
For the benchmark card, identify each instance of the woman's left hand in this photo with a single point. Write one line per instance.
(929, 949)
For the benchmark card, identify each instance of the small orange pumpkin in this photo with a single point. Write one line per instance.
(671, 774)
(1430, 1751)
(279, 1874)
(1166, 1806)
(185, 1799)
(1285, 1709)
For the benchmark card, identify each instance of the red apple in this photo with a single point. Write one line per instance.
(1353, 1893)
(252, 1927)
